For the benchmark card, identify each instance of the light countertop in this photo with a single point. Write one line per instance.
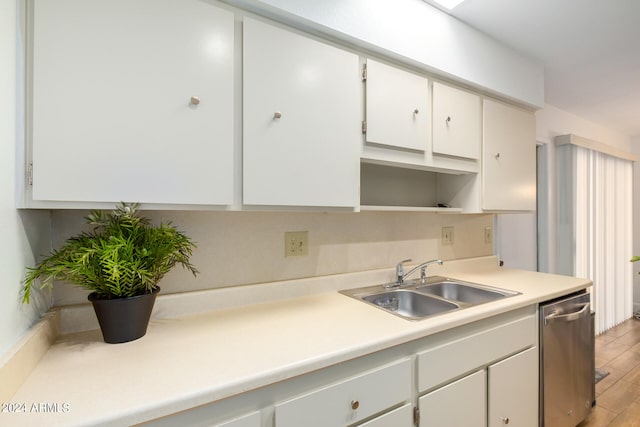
(188, 361)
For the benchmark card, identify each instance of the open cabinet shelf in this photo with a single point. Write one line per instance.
(390, 188)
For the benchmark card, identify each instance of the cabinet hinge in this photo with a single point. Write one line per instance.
(416, 416)
(364, 126)
(30, 173)
(364, 73)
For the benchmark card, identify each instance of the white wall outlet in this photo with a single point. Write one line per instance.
(488, 235)
(447, 235)
(296, 243)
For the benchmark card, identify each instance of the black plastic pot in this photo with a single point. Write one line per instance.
(123, 319)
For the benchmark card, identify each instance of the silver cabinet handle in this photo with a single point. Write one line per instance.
(497, 155)
(355, 404)
(195, 100)
(277, 115)
(448, 120)
(416, 111)
(505, 420)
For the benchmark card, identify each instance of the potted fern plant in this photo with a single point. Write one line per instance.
(121, 261)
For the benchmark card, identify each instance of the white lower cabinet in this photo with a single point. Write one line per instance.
(349, 401)
(459, 404)
(483, 374)
(513, 390)
(505, 393)
(484, 377)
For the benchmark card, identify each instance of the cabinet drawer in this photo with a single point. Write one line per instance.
(467, 353)
(348, 401)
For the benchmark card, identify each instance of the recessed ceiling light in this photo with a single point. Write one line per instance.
(449, 4)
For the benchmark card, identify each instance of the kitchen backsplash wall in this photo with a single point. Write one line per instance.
(238, 248)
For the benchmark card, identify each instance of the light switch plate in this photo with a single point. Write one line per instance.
(488, 235)
(447, 235)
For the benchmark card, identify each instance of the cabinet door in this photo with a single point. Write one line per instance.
(397, 106)
(462, 403)
(513, 390)
(113, 113)
(457, 127)
(302, 110)
(509, 158)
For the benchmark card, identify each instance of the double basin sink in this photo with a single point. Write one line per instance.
(417, 299)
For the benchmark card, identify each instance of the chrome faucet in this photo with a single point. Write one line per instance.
(401, 275)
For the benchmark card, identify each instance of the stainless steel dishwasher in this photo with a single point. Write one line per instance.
(567, 370)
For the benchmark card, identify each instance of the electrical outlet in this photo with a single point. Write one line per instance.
(447, 235)
(296, 243)
(488, 235)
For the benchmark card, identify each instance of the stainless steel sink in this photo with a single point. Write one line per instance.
(410, 304)
(463, 292)
(417, 299)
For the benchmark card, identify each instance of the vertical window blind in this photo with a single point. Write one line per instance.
(595, 229)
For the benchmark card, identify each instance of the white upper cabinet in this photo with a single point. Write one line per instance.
(132, 100)
(457, 127)
(302, 112)
(397, 107)
(509, 158)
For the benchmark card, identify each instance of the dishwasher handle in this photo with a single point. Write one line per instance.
(553, 317)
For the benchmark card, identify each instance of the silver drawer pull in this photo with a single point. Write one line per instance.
(355, 404)
(277, 115)
(195, 100)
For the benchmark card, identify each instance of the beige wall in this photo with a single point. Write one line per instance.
(236, 248)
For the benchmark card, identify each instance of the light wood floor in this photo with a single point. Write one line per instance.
(618, 394)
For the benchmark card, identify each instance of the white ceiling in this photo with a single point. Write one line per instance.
(590, 50)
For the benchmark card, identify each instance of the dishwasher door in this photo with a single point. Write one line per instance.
(566, 361)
